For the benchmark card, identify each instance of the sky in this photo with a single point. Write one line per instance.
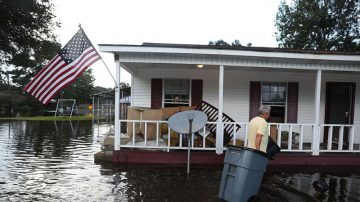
(164, 21)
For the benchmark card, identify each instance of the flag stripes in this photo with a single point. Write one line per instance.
(39, 75)
(69, 77)
(63, 69)
(54, 75)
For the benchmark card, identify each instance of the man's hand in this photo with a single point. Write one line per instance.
(258, 141)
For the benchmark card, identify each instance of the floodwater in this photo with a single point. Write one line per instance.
(53, 161)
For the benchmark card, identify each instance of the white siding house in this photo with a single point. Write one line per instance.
(320, 80)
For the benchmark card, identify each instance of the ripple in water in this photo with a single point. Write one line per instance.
(53, 161)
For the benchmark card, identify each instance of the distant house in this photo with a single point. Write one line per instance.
(103, 102)
(314, 95)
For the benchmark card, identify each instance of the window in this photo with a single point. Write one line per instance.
(274, 95)
(176, 92)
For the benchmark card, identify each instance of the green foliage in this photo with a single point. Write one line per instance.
(27, 40)
(99, 89)
(319, 25)
(21, 75)
(27, 43)
(124, 85)
(125, 89)
(224, 43)
(81, 89)
(24, 110)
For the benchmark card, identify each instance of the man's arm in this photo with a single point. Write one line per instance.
(258, 141)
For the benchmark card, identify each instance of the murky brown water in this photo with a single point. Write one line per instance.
(53, 161)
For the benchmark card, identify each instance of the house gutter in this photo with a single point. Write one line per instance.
(340, 57)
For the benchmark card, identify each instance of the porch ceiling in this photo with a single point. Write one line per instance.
(164, 65)
(135, 66)
(217, 59)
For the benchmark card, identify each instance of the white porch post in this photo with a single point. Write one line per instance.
(117, 105)
(316, 139)
(220, 125)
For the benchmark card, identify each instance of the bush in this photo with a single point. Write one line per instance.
(24, 110)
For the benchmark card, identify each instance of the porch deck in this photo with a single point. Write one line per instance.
(298, 148)
(329, 161)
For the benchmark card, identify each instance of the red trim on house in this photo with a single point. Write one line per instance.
(255, 98)
(291, 159)
(210, 158)
(196, 92)
(292, 102)
(161, 157)
(156, 93)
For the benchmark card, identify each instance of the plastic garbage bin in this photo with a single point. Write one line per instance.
(242, 173)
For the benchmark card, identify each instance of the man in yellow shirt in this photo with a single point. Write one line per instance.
(258, 134)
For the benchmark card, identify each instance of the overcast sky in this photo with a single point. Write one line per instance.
(165, 21)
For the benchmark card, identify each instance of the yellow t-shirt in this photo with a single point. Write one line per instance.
(258, 125)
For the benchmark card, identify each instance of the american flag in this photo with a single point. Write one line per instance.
(71, 61)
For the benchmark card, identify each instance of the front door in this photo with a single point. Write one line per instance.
(339, 107)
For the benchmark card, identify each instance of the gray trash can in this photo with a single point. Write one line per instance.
(242, 173)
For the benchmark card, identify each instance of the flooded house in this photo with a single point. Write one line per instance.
(314, 96)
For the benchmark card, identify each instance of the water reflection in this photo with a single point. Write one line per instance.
(53, 161)
(45, 160)
(164, 183)
(342, 187)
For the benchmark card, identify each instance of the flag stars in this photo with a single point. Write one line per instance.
(75, 47)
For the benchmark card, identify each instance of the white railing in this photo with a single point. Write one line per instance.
(294, 137)
(149, 134)
(317, 138)
(340, 138)
(308, 138)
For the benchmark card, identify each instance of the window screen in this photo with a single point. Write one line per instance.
(176, 92)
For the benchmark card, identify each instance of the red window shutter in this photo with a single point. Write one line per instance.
(292, 102)
(196, 92)
(156, 93)
(255, 98)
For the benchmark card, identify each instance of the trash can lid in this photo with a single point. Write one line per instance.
(249, 149)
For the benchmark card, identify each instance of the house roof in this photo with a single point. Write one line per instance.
(244, 48)
(104, 94)
(260, 49)
(132, 56)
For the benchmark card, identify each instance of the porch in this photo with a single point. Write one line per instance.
(233, 79)
(296, 153)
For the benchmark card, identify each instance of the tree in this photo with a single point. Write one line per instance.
(125, 89)
(319, 25)
(27, 40)
(224, 43)
(21, 75)
(81, 89)
(27, 43)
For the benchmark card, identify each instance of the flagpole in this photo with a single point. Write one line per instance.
(100, 57)
(107, 69)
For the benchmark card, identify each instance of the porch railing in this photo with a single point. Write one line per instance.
(305, 138)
